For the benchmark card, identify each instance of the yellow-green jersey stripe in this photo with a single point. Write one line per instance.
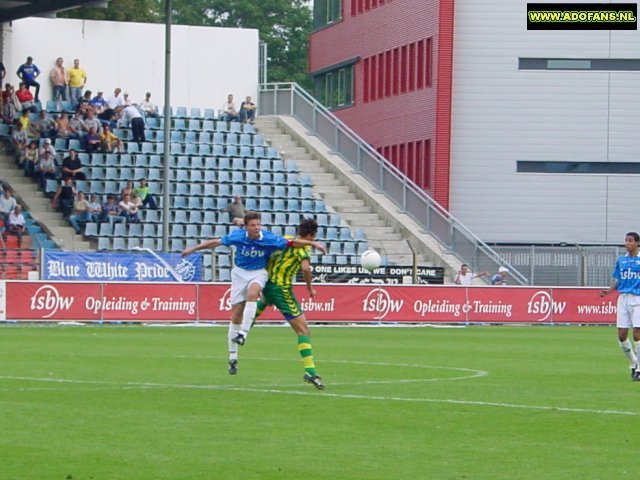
(284, 264)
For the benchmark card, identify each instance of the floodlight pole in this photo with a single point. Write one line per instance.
(167, 124)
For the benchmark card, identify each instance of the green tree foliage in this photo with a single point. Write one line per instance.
(144, 11)
(284, 25)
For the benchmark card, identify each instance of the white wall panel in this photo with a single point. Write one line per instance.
(207, 63)
(502, 115)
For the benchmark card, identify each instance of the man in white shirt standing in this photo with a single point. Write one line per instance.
(465, 276)
(130, 115)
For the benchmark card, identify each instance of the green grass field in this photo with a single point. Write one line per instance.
(133, 402)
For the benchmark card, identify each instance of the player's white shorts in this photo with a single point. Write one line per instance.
(628, 310)
(241, 279)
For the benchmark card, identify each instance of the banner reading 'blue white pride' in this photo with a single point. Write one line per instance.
(121, 267)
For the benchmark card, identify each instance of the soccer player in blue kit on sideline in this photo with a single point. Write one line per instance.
(626, 280)
(249, 275)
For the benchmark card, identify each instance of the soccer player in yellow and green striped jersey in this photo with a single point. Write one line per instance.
(282, 269)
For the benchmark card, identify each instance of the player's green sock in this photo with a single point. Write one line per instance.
(304, 347)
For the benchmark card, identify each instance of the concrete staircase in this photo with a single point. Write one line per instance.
(39, 207)
(356, 210)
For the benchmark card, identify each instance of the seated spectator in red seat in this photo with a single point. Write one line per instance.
(247, 111)
(109, 141)
(8, 204)
(16, 224)
(72, 167)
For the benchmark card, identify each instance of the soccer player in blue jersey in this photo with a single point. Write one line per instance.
(249, 275)
(626, 280)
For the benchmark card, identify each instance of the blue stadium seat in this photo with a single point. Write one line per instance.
(204, 149)
(205, 137)
(208, 126)
(209, 114)
(195, 112)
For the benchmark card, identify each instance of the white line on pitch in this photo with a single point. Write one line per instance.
(334, 395)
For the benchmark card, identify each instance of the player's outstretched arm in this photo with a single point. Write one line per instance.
(298, 242)
(213, 243)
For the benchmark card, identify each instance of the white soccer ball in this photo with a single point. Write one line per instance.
(370, 260)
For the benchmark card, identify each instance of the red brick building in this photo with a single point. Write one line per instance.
(385, 67)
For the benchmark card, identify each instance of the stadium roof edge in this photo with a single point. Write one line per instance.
(14, 10)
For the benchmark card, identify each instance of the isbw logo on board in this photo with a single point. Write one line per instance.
(380, 301)
(48, 300)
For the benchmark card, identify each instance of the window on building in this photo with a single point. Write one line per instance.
(326, 12)
(334, 89)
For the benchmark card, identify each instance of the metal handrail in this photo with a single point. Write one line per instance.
(290, 99)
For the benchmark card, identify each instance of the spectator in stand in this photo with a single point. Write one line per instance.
(77, 81)
(31, 158)
(131, 116)
(109, 141)
(500, 278)
(27, 126)
(77, 127)
(16, 224)
(99, 103)
(28, 72)
(7, 204)
(247, 111)
(229, 112)
(115, 100)
(465, 276)
(45, 169)
(64, 197)
(135, 199)
(46, 146)
(92, 122)
(9, 103)
(72, 167)
(128, 210)
(62, 126)
(111, 211)
(59, 80)
(145, 195)
(25, 98)
(45, 125)
(236, 211)
(109, 117)
(92, 141)
(8, 110)
(127, 190)
(81, 212)
(20, 140)
(84, 103)
(126, 101)
(95, 208)
(148, 107)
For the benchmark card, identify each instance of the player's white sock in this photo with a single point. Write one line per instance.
(233, 347)
(627, 349)
(247, 317)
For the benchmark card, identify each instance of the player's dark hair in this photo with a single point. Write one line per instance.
(251, 215)
(308, 226)
(635, 236)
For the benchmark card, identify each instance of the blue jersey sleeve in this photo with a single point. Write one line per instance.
(274, 241)
(232, 238)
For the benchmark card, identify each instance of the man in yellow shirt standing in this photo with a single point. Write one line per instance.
(77, 81)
